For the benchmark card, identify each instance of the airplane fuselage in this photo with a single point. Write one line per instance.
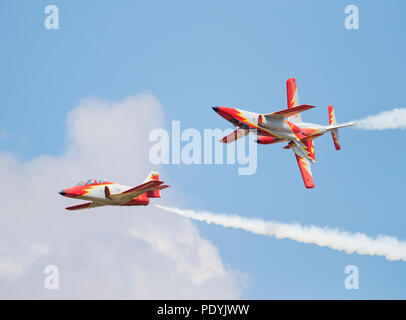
(97, 192)
(279, 129)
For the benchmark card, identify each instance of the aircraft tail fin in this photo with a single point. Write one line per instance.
(334, 130)
(333, 127)
(151, 177)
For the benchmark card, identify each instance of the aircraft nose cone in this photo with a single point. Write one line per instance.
(216, 109)
(62, 193)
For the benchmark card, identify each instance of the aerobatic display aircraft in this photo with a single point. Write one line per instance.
(284, 126)
(104, 193)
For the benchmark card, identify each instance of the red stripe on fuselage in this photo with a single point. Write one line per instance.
(79, 191)
(235, 117)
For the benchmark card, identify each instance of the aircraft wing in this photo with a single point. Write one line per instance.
(305, 156)
(289, 112)
(86, 205)
(293, 99)
(304, 167)
(130, 194)
(304, 148)
(237, 134)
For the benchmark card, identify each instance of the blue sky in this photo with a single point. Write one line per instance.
(192, 55)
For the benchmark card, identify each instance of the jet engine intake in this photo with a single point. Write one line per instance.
(107, 192)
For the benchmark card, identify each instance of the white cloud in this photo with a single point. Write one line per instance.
(14, 264)
(111, 252)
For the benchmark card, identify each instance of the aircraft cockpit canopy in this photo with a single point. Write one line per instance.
(91, 181)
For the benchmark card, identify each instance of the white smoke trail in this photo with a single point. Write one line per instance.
(394, 119)
(386, 246)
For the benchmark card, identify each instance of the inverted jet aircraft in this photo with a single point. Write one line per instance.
(284, 126)
(104, 193)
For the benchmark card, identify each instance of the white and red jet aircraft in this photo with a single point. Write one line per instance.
(284, 126)
(104, 193)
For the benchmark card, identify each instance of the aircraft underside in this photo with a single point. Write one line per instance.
(284, 126)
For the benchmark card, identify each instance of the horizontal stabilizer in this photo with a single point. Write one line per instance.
(334, 132)
(164, 186)
(333, 127)
(156, 192)
(144, 187)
